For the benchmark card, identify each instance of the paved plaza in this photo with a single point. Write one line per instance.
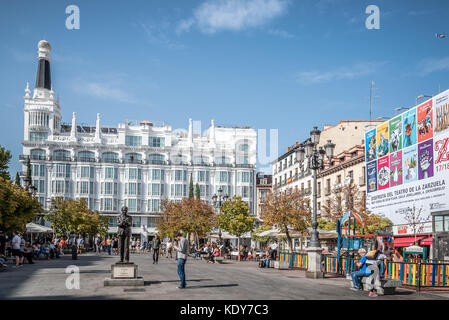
(231, 280)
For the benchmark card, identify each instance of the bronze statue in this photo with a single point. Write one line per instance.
(124, 222)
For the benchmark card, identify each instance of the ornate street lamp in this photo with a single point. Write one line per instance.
(315, 160)
(218, 202)
(300, 153)
(329, 149)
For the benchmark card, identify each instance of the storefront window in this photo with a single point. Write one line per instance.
(441, 223)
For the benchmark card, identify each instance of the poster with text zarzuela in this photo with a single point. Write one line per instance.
(425, 164)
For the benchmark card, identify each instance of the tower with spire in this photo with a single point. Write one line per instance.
(42, 110)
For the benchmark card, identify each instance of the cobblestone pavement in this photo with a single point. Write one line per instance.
(231, 280)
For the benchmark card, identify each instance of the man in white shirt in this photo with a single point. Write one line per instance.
(169, 249)
(15, 243)
(274, 249)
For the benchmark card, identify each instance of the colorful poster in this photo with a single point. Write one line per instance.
(396, 169)
(395, 127)
(441, 113)
(425, 118)
(382, 140)
(371, 174)
(410, 164)
(370, 141)
(425, 164)
(409, 128)
(425, 159)
(441, 152)
(383, 173)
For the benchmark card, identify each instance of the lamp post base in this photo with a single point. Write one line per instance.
(314, 263)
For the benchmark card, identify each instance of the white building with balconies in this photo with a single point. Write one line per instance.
(137, 164)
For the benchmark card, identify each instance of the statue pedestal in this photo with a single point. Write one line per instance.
(124, 274)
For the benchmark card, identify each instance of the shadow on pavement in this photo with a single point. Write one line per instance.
(62, 298)
(147, 283)
(213, 286)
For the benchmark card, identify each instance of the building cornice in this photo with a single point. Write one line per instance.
(342, 165)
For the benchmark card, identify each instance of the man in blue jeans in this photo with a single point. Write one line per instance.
(182, 249)
(363, 272)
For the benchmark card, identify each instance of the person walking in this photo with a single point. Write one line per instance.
(115, 246)
(15, 244)
(182, 250)
(169, 250)
(156, 244)
(62, 244)
(97, 245)
(109, 245)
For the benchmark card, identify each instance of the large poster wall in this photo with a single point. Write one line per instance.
(408, 161)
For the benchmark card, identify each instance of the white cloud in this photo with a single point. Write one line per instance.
(105, 87)
(235, 15)
(341, 73)
(185, 25)
(431, 65)
(156, 34)
(281, 33)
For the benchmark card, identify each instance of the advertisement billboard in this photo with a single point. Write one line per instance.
(414, 169)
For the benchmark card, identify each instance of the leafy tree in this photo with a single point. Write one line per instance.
(287, 209)
(17, 207)
(376, 223)
(373, 222)
(192, 216)
(197, 191)
(5, 157)
(235, 218)
(74, 216)
(191, 187)
(17, 182)
(327, 225)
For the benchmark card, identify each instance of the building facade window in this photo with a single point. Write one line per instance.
(110, 157)
(156, 142)
(156, 159)
(133, 141)
(38, 136)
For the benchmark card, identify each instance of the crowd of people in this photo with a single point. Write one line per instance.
(18, 248)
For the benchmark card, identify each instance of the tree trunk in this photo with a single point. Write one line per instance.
(290, 243)
(197, 240)
(238, 247)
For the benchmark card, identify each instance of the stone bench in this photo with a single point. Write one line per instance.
(282, 265)
(382, 286)
(218, 259)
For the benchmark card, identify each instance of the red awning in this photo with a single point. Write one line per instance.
(406, 241)
(426, 241)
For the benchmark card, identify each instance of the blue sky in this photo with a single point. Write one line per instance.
(269, 64)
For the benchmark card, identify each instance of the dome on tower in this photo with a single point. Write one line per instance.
(43, 44)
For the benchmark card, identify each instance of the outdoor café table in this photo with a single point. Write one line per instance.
(234, 254)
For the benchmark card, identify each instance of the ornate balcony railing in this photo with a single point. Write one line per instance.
(32, 157)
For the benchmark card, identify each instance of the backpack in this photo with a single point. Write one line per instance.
(262, 264)
(372, 254)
